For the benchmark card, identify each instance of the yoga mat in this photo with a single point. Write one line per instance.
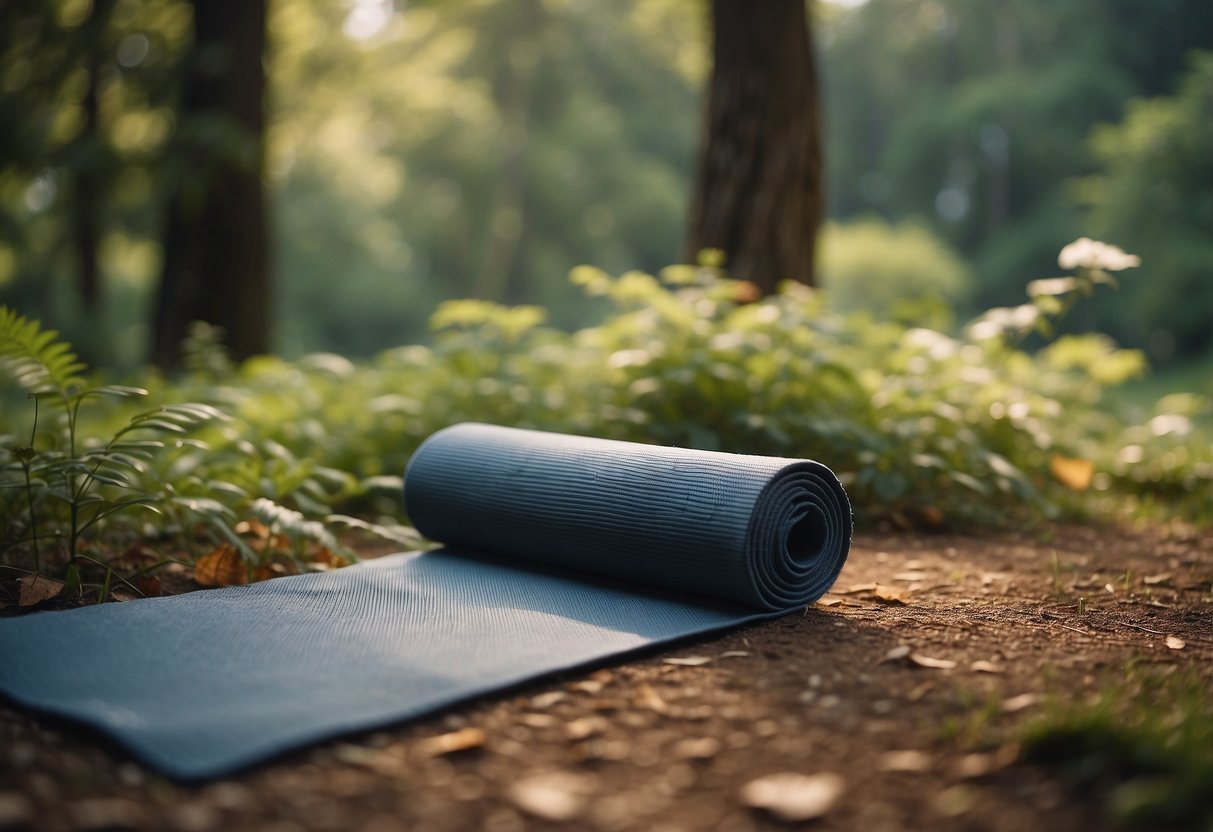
(559, 552)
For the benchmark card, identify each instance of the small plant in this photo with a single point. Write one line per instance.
(71, 483)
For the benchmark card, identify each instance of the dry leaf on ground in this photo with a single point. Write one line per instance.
(554, 795)
(983, 666)
(793, 797)
(35, 589)
(908, 761)
(465, 739)
(890, 595)
(688, 661)
(934, 664)
(646, 697)
(1018, 703)
(221, 567)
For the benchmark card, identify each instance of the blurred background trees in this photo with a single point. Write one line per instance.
(420, 151)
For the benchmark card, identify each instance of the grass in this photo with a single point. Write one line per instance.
(1144, 743)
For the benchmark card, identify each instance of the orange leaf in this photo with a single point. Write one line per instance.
(148, 585)
(890, 595)
(746, 291)
(253, 527)
(328, 557)
(1074, 474)
(222, 567)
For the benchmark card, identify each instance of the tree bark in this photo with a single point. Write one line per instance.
(86, 203)
(758, 193)
(216, 254)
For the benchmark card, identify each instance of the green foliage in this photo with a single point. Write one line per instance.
(1146, 742)
(977, 118)
(924, 427)
(895, 272)
(70, 485)
(1154, 191)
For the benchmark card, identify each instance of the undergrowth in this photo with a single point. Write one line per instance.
(1145, 744)
(925, 428)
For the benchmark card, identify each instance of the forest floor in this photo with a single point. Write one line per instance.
(908, 689)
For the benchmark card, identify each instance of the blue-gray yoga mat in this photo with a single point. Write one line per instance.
(559, 552)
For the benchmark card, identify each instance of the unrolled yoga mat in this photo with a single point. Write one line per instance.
(560, 551)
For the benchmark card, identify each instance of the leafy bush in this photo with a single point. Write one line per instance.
(897, 272)
(924, 428)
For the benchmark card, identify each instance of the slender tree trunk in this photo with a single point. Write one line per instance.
(758, 194)
(216, 254)
(86, 213)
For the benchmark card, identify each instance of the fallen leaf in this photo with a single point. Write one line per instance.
(982, 666)
(1018, 703)
(911, 761)
(1176, 643)
(688, 661)
(546, 700)
(933, 664)
(794, 797)
(273, 569)
(1155, 580)
(35, 589)
(586, 726)
(854, 590)
(1074, 474)
(221, 567)
(696, 748)
(931, 517)
(149, 585)
(465, 739)
(898, 652)
(646, 697)
(555, 796)
(328, 557)
(746, 291)
(253, 527)
(734, 654)
(890, 595)
(828, 602)
(587, 686)
(976, 765)
(539, 720)
(911, 576)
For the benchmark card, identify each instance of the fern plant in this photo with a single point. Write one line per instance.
(70, 483)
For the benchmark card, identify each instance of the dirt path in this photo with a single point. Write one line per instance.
(909, 683)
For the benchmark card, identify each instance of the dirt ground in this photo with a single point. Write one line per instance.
(907, 683)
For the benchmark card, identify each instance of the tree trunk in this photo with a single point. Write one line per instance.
(86, 203)
(758, 194)
(216, 255)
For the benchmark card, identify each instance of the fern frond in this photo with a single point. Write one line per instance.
(37, 359)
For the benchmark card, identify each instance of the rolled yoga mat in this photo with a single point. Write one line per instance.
(559, 552)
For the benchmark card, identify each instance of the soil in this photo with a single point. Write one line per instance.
(910, 682)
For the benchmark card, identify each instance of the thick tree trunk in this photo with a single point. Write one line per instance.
(758, 194)
(216, 254)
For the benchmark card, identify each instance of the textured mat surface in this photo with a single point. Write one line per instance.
(559, 552)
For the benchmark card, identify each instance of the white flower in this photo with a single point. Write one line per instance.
(1085, 253)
